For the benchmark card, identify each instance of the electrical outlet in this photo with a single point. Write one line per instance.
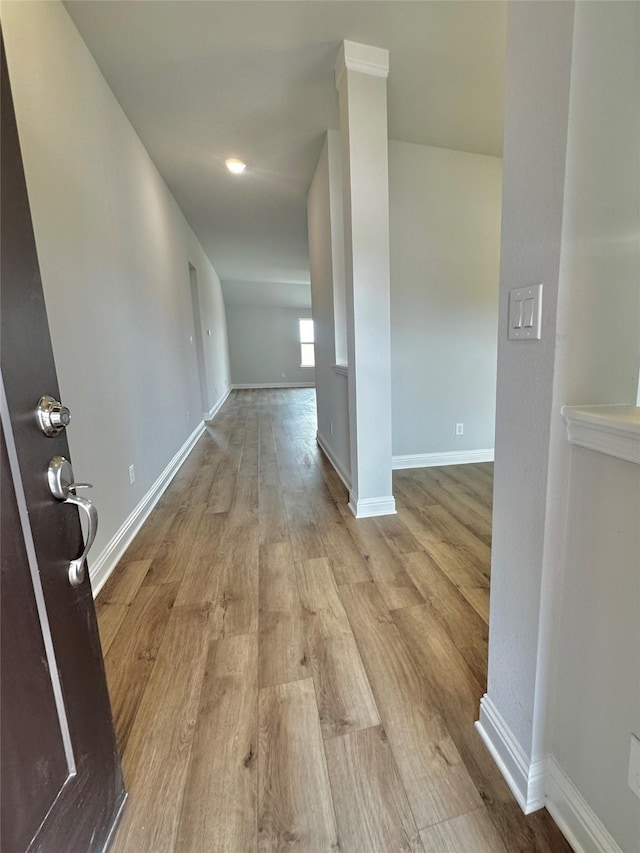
(209, 333)
(634, 765)
(459, 429)
(282, 375)
(132, 474)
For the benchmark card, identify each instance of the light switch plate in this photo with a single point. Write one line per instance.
(525, 313)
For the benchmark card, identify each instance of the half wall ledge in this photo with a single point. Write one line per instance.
(613, 430)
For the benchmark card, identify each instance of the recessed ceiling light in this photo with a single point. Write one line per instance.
(236, 166)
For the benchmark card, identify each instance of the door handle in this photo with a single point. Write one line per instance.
(60, 477)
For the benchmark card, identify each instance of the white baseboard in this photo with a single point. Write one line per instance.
(433, 460)
(328, 452)
(543, 783)
(369, 507)
(526, 779)
(580, 825)
(209, 416)
(101, 569)
(253, 386)
(366, 507)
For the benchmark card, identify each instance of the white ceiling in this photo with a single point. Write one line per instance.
(203, 81)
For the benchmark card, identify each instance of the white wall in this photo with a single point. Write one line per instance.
(598, 675)
(597, 362)
(326, 258)
(445, 252)
(599, 307)
(445, 246)
(563, 640)
(114, 251)
(536, 109)
(276, 294)
(264, 345)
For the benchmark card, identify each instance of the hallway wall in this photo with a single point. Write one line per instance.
(114, 250)
(264, 345)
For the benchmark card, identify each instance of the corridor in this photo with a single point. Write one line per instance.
(283, 676)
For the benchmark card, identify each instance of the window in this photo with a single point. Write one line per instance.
(307, 352)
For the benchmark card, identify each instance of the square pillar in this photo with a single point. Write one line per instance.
(361, 80)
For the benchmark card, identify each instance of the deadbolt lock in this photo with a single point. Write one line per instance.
(53, 417)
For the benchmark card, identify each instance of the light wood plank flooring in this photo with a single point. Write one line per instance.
(283, 676)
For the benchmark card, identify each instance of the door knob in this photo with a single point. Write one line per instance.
(52, 416)
(60, 477)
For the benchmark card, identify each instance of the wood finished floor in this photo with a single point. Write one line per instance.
(283, 676)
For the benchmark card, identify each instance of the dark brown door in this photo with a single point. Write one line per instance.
(61, 784)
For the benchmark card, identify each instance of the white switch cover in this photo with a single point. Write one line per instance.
(525, 313)
(634, 766)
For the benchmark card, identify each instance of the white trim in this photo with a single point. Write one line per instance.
(323, 444)
(526, 779)
(342, 369)
(614, 430)
(452, 457)
(209, 416)
(101, 569)
(361, 57)
(255, 385)
(369, 507)
(580, 825)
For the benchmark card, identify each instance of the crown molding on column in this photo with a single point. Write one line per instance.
(363, 58)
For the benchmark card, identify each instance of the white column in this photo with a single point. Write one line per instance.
(361, 80)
